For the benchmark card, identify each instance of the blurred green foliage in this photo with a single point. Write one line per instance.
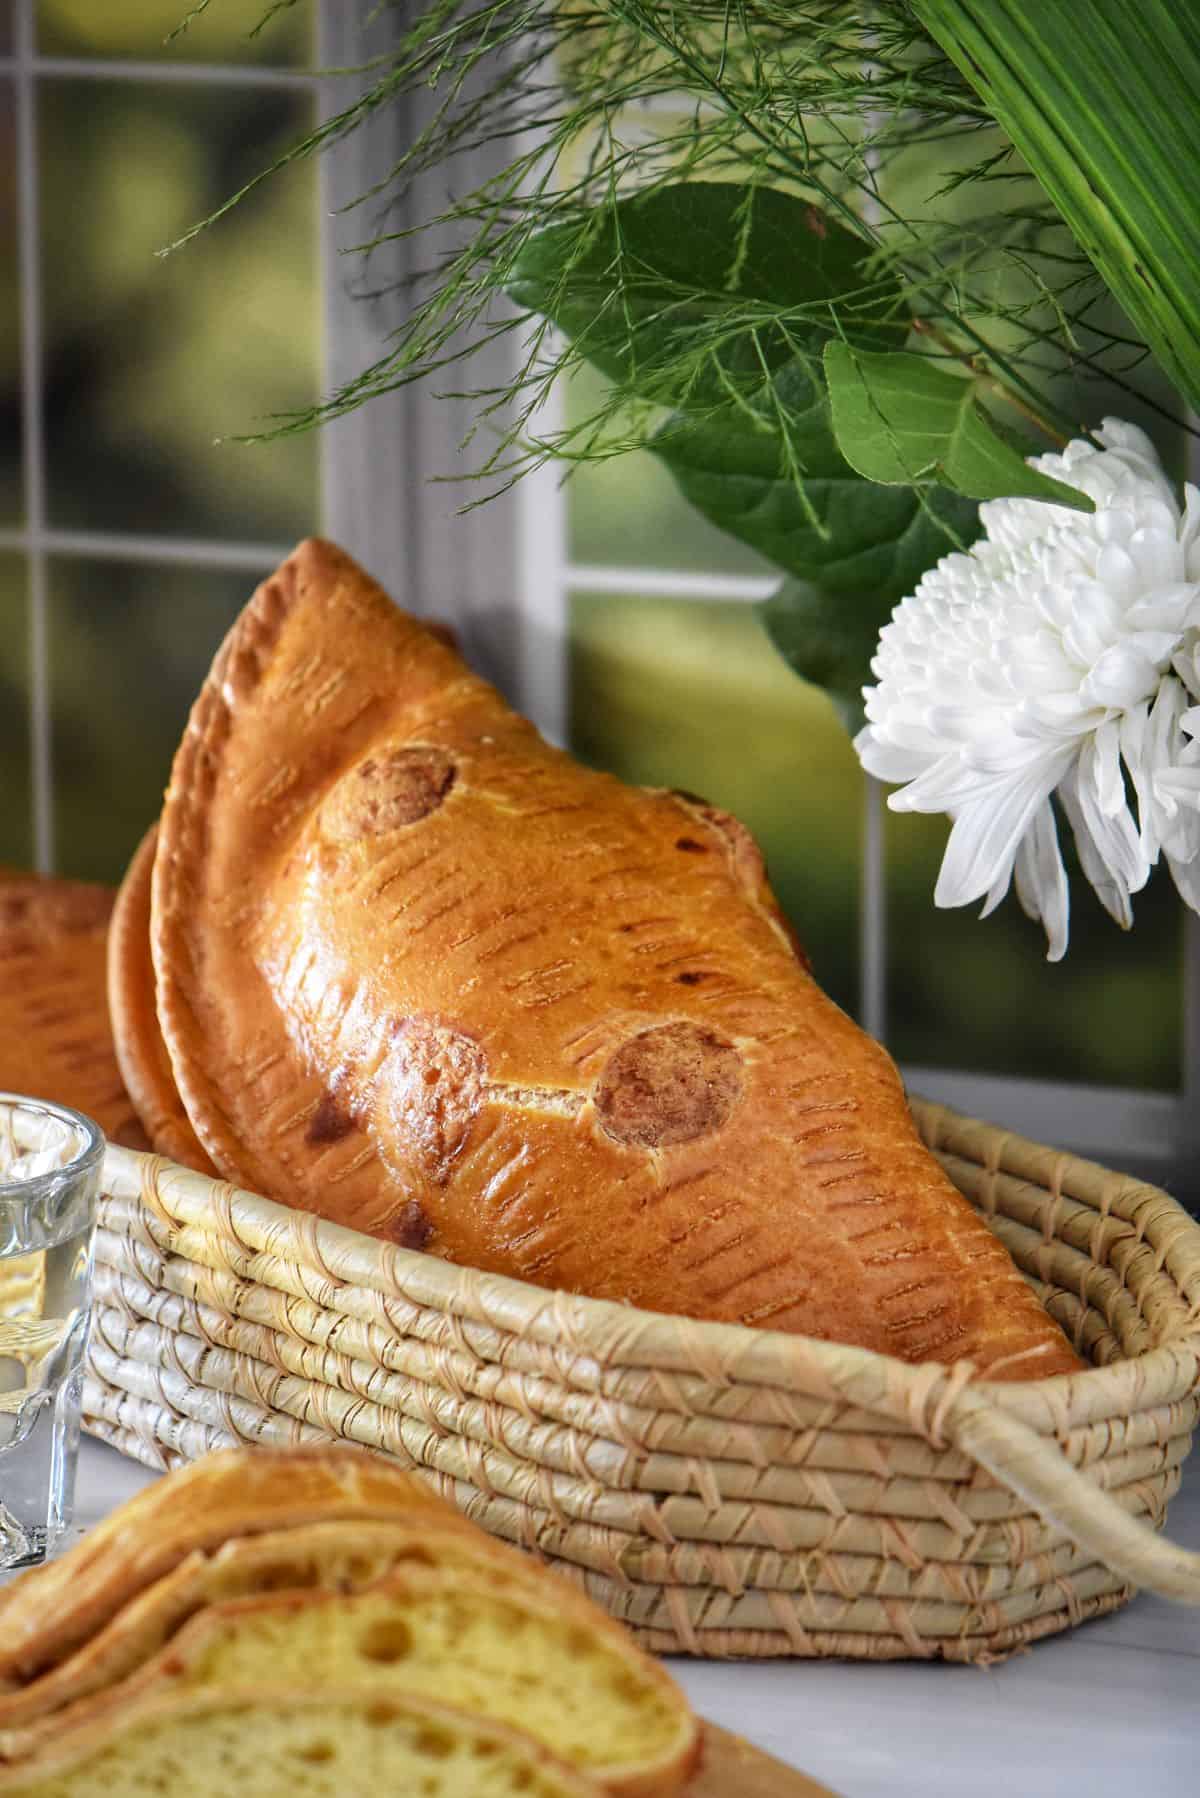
(146, 362)
(224, 32)
(129, 649)
(149, 361)
(967, 994)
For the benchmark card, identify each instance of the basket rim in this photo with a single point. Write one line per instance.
(624, 1336)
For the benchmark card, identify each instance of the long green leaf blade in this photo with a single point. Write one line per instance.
(1101, 100)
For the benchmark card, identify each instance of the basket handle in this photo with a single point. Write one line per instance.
(1035, 1469)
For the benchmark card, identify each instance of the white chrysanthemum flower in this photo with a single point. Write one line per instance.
(1059, 655)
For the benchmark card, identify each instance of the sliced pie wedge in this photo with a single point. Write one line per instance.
(51, 1611)
(526, 1653)
(313, 1742)
(253, 1568)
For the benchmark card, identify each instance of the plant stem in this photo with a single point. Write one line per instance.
(979, 366)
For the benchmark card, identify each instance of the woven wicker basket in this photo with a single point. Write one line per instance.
(725, 1491)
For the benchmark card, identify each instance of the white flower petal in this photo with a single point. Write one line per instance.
(1167, 608)
(1139, 729)
(983, 842)
(1121, 677)
(1189, 532)
(1041, 881)
(1104, 765)
(1113, 896)
(1113, 834)
(1181, 783)
(887, 761)
(1186, 875)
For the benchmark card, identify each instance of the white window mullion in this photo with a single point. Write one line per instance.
(668, 583)
(544, 578)
(386, 466)
(117, 546)
(76, 68)
(367, 479)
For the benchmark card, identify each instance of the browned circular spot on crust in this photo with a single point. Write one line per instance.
(389, 790)
(330, 1122)
(432, 1084)
(410, 1227)
(669, 1085)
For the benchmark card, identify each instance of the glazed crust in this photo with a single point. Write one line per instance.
(424, 974)
(141, 1053)
(55, 1041)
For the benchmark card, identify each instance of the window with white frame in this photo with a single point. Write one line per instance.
(608, 610)
(128, 535)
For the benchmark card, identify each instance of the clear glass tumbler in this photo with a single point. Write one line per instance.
(49, 1182)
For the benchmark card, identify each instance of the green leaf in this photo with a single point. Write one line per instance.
(899, 418)
(775, 479)
(761, 282)
(656, 287)
(828, 639)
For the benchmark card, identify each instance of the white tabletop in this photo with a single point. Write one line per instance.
(1111, 1710)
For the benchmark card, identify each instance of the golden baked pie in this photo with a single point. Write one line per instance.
(421, 972)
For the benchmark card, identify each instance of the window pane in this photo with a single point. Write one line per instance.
(138, 28)
(628, 513)
(148, 361)
(11, 500)
(981, 996)
(16, 835)
(129, 648)
(679, 693)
